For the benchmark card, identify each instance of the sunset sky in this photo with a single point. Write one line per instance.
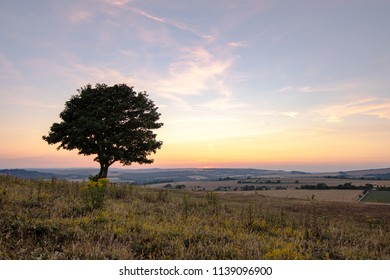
(288, 84)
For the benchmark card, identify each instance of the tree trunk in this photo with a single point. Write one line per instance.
(103, 170)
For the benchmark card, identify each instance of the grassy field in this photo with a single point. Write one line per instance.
(319, 195)
(53, 220)
(378, 196)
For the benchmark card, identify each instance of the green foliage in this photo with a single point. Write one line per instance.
(114, 123)
(94, 193)
(378, 196)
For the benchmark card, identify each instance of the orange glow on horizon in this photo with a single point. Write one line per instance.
(273, 150)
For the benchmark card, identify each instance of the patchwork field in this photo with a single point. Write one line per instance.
(288, 187)
(378, 196)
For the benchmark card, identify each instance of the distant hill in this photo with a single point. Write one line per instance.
(369, 172)
(379, 173)
(25, 174)
(146, 176)
(52, 173)
(193, 174)
(156, 175)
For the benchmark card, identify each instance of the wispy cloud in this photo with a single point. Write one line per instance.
(193, 72)
(238, 44)
(338, 87)
(178, 101)
(303, 89)
(198, 72)
(173, 23)
(378, 107)
(117, 2)
(291, 114)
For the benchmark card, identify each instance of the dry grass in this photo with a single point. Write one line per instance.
(48, 220)
(319, 195)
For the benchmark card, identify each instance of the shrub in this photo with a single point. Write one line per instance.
(94, 193)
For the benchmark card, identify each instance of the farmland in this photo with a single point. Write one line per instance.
(378, 196)
(50, 219)
(287, 187)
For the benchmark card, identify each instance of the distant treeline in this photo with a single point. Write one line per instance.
(385, 176)
(346, 186)
(258, 181)
(244, 188)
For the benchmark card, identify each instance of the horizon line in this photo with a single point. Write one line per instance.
(183, 168)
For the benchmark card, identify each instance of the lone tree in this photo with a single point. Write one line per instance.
(112, 122)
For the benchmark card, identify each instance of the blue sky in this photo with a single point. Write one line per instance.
(265, 84)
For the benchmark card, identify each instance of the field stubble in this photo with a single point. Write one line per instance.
(48, 220)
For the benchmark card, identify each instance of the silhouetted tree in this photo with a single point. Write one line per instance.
(112, 122)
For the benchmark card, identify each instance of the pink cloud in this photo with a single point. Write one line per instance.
(193, 73)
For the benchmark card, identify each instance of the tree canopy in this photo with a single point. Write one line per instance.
(112, 122)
